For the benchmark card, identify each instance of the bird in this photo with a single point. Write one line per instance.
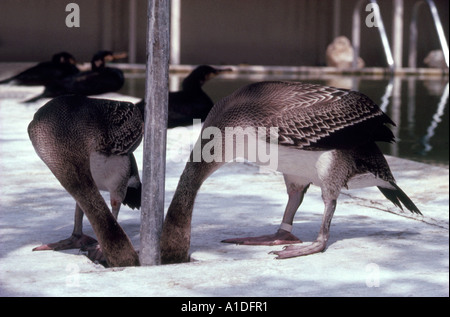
(88, 145)
(62, 64)
(340, 54)
(435, 59)
(100, 79)
(191, 102)
(318, 135)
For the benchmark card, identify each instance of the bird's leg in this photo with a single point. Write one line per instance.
(283, 235)
(76, 241)
(321, 241)
(115, 207)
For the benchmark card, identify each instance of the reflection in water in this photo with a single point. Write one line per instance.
(393, 91)
(436, 120)
(385, 99)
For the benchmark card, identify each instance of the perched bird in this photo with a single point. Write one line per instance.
(191, 102)
(317, 135)
(88, 145)
(62, 65)
(435, 59)
(340, 54)
(100, 79)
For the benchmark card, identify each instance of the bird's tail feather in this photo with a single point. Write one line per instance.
(397, 195)
(133, 197)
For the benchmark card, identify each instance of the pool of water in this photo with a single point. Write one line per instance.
(419, 106)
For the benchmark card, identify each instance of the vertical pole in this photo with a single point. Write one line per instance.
(132, 32)
(439, 29)
(384, 39)
(336, 18)
(397, 35)
(175, 32)
(154, 160)
(356, 33)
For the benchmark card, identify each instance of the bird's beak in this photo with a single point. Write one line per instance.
(224, 70)
(115, 56)
(219, 71)
(120, 55)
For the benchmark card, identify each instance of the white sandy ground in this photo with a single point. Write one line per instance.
(374, 249)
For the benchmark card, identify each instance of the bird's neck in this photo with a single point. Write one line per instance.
(175, 238)
(191, 84)
(97, 64)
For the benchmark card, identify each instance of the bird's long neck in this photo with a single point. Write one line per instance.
(175, 239)
(191, 83)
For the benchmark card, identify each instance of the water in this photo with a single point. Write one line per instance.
(419, 106)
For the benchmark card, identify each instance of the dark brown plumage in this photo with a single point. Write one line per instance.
(60, 66)
(99, 80)
(87, 144)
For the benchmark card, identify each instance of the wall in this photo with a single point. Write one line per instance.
(260, 32)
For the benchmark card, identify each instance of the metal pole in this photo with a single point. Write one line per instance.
(175, 32)
(356, 33)
(412, 57)
(384, 39)
(132, 32)
(412, 54)
(154, 160)
(439, 30)
(336, 18)
(397, 35)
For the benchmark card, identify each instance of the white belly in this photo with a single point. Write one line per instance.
(367, 180)
(109, 172)
(313, 167)
(306, 165)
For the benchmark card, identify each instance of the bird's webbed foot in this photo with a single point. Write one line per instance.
(280, 237)
(73, 242)
(294, 250)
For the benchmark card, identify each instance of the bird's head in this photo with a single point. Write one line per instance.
(102, 57)
(63, 58)
(202, 74)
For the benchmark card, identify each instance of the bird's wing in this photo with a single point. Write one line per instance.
(314, 117)
(123, 128)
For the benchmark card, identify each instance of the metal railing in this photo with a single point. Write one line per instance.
(356, 33)
(412, 58)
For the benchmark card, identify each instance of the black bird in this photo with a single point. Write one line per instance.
(192, 102)
(61, 65)
(100, 79)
